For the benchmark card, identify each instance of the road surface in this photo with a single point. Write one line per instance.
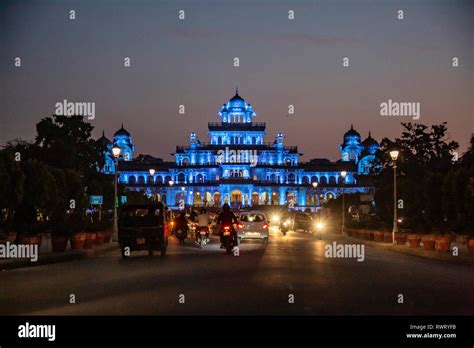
(262, 280)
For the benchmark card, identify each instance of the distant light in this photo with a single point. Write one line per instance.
(343, 174)
(151, 171)
(171, 182)
(315, 184)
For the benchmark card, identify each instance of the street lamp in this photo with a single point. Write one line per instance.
(394, 156)
(116, 152)
(151, 171)
(171, 182)
(343, 175)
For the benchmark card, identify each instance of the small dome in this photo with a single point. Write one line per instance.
(352, 133)
(122, 132)
(370, 141)
(103, 140)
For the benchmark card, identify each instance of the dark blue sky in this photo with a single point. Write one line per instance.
(282, 62)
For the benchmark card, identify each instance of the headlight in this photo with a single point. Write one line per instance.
(275, 218)
(285, 223)
(319, 225)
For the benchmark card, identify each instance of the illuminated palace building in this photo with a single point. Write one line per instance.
(238, 167)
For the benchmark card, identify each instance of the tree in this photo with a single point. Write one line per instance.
(11, 188)
(426, 156)
(65, 142)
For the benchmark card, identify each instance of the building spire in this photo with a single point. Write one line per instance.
(236, 90)
(103, 133)
(352, 126)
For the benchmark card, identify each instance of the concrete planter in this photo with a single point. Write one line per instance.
(443, 243)
(400, 238)
(414, 240)
(99, 240)
(428, 242)
(378, 236)
(33, 239)
(388, 237)
(470, 246)
(78, 240)
(90, 240)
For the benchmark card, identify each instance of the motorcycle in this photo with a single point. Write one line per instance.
(202, 235)
(229, 239)
(181, 233)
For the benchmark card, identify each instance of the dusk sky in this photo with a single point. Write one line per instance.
(282, 62)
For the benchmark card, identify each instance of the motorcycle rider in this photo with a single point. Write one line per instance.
(203, 220)
(181, 222)
(226, 217)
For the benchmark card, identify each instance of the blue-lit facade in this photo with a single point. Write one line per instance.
(237, 166)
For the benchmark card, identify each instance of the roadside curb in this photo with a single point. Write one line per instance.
(420, 252)
(50, 258)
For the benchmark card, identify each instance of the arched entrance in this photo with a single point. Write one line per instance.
(255, 198)
(197, 199)
(274, 198)
(207, 199)
(217, 199)
(290, 199)
(236, 198)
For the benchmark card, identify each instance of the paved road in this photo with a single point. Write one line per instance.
(259, 281)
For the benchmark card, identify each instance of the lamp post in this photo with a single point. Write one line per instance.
(394, 156)
(116, 152)
(315, 185)
(343, 175)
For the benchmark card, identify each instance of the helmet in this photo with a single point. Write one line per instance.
(226, 207)
(203, 211)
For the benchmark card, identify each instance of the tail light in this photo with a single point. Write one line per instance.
(240, 226)
(265, 226)
(226, 228)
(165, 228)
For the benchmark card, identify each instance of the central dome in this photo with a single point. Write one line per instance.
(237, 101)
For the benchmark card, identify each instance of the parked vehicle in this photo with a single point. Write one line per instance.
(253, 225)
(143, 227)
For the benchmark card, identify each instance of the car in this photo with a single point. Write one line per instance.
(253, 225)
(302, 221)
(143, 227)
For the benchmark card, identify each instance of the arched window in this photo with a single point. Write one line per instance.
(314, 179)
(149, 179)
(291, 178)
(199, 178)
(132, 180)
(181, 178)
(141, 179)
(323, 180)
(332, 180)
(305, 180)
